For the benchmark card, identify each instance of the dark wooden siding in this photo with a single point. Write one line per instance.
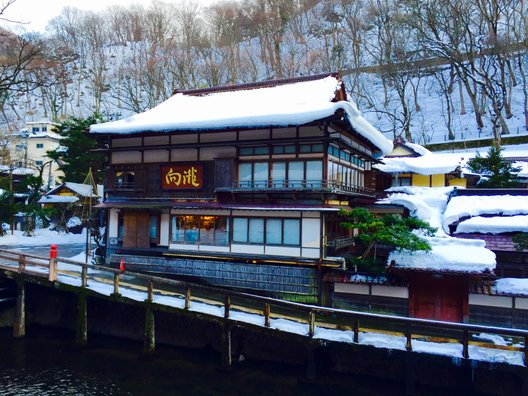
(376, 304)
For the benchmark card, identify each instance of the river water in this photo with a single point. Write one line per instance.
(46, 362)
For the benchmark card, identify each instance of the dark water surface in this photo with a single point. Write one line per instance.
(46, 362)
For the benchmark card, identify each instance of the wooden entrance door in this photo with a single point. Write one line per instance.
(136, 230)
(438, 297)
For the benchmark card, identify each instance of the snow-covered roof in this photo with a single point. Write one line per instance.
(493, 225)
(427, 163)
(55, 199)
(448, 255)
(459, 207)
(16, 171)
(425, 203)
(83, 190)
(279, 105)
(511, 286)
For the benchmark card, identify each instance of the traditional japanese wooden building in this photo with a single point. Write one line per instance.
(240, 186)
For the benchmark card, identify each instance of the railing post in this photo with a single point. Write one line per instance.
(356, 330)
(465, 345)
(267, 311)
(116, 284)
(21, 263)
(526, 351)
(311, 324)
(82, 319)
(19, 322)
(188, 298)
(52, 276)
(227, 306)
(408, 335)
(84, 277)
(150, 291)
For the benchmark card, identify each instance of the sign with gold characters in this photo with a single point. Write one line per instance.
(182, 177)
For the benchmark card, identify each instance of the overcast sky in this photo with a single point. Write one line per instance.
(37, 13)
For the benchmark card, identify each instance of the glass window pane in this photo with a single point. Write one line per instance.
(178, 228)
(261, 150)
(295, 173)
(260, 175)
(274, 231)
(278, 150)
(305, 148)
(153, 227)
(192, 228)
(207, 224)
(221, 236)
(256, 230)
(278, 174)
(289, 149)
(317, 148)
(244, 173)
(291, 232)
(240, 230)
(314, 173)
(246, 150)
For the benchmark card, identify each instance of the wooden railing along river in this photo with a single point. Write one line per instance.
(267, 309)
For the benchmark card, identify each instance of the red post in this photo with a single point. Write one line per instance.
(53, 251)
(52, 276)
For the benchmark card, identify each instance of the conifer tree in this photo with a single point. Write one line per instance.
(389, 230)
(495, 171)
(73, 155)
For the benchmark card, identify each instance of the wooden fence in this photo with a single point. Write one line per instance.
(314, 317)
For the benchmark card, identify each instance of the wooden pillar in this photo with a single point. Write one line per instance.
(82, 319)
(19, 322)
(311, 370)
(410, 389)
(226, 345)
(149, 344)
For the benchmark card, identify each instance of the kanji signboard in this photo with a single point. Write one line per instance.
(182, 177)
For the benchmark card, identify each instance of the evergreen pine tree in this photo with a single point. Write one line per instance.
(495, 171)
(73, 155)
(388, 230)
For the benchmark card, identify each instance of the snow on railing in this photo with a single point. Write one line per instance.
(459, 340)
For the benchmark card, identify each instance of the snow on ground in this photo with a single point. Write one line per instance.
(493, 225)
(43, 236)
(459, 207)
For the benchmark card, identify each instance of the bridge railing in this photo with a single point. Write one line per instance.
(268, 312)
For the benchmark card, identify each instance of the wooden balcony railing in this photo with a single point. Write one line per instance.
(333, 186)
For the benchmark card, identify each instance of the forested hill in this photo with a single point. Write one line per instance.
(428, 70)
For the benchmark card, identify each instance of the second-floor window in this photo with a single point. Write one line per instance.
(35, 129)
(38, 163)
(280, 174)
(20, 147)
(40, 145)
